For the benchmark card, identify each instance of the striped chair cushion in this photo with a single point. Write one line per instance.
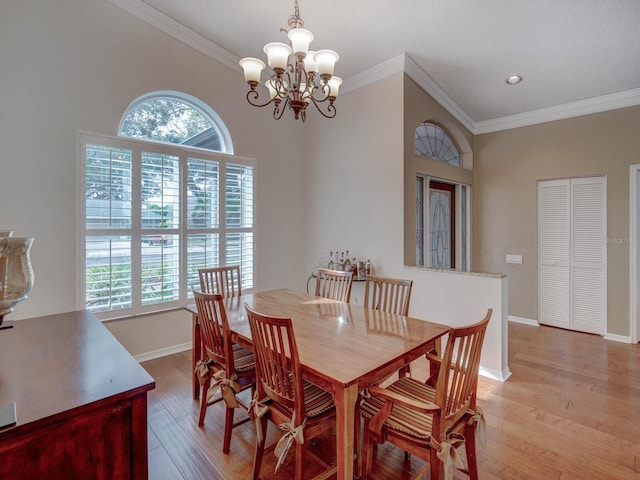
(316, 400)
(243, 358)
(402, 419)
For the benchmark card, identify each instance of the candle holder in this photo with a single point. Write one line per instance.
(16, 275)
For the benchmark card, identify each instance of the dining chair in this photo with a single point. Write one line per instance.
(334, 284)
(431, 420)
(225, 366)
(223, 280)
(301, 409)
(390, 295)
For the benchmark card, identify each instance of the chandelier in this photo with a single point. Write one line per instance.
(300, 76)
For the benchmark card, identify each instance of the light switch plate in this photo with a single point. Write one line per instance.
(511, 258)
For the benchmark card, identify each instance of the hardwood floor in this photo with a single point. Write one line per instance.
(570, 411)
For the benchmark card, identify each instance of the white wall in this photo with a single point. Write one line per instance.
(73, 65)
(458, 299)
(356, 177)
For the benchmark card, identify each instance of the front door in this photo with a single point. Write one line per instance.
(442, 211)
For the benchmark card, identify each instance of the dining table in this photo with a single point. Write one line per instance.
(343, 348)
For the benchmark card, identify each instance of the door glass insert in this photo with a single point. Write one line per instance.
(441, 225)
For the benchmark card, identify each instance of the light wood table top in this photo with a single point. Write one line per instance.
(343, 347)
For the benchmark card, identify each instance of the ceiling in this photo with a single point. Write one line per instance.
(576, 56)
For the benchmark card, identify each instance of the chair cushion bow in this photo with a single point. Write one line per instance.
(291, 433)
(228, 388)
(202, 370)
(256, 411)
(448, 454)
(477, 417)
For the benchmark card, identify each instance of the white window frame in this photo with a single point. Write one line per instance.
(136, 231)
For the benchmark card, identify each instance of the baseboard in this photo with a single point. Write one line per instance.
(617, 338)
(494, 374)
(525, 321)
(163, 352)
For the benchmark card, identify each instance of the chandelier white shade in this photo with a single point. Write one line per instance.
(299, 76)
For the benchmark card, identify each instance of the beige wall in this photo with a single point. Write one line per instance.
(74, 65)
(507, 167)
(420, 107)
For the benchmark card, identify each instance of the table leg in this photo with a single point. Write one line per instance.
(345, 400)
(196, 354)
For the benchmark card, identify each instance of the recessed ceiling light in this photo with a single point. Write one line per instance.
(514, 79)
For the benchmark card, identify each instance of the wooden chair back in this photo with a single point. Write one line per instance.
(334, 284)
(390, 295)
(457, 385)
(223, 280)
(216, 337)
(278, 371)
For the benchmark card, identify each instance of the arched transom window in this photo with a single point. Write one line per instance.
(178, 118)
(432, 141)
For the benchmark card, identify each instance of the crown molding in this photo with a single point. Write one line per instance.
(603, 103)
(374, 74)
(175, 29)
(429, 85)
(400, 63)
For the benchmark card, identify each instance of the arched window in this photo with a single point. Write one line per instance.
(433, 141)
(178, 118)
(157, 209)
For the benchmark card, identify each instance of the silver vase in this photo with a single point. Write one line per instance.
(16, 275)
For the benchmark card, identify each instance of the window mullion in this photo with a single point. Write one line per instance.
(136, 229)
(183, 232)
(222, 214)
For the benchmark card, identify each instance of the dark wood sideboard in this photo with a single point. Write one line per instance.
(81, 401)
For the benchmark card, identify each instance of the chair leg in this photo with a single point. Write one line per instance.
(257, 459)
(228, 428)
(368, 446)
(203, 401)
(300, 450)
(356, 442)
(436, 465)
(470, 447)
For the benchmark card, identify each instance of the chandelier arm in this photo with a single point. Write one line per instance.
(285, 91)
(322, 90)
(331, 110)
(256, 95)
(279, 109)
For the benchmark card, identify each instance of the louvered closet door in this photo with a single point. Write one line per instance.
(588, 253)
(572, 253)
(553, 252)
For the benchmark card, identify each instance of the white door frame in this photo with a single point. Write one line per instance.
(634, 256)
